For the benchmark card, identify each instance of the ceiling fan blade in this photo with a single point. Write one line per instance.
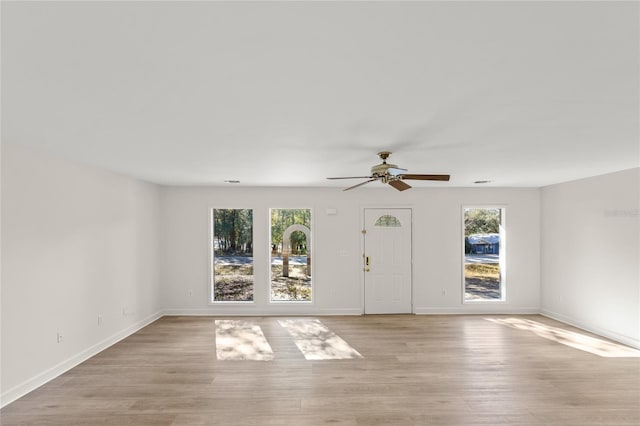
(351, 177)
(360, 184)
(425, 177)
(399, 185)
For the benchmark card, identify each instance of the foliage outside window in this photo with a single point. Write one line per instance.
(232, 247)
(483, 254)
(290, 255)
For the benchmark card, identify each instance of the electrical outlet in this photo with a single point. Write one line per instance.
(444, 292)
(60, 337)
(99, 319)
(190, 293)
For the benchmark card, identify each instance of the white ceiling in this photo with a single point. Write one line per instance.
(288, 93)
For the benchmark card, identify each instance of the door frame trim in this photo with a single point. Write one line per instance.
(364, 207)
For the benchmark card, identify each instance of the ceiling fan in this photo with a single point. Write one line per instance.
(391, 174)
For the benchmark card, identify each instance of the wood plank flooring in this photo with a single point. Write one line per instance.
(414, 370)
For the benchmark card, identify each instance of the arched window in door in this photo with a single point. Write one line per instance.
(388, 221)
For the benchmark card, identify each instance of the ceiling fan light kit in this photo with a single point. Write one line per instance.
(392, 174)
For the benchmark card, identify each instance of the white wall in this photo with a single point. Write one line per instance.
(437, 232)
(590, 255)
(77, 242)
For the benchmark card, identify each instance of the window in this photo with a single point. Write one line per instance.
(232, 255)
(290, 255)
(484, 254)
(388, 221)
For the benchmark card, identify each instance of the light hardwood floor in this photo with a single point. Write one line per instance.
(414, 370)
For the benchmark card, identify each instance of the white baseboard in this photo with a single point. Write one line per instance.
(625, 340)
(328, 312)
(477, 309)
(35, 382)
(220, 311)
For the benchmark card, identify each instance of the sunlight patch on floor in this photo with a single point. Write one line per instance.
(241, 340)
(316, 341)
(575, 340)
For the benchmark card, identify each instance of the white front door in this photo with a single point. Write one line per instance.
(387, 261)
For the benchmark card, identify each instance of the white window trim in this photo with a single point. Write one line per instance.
(313, 251)
(502, 258)
(211, 279)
